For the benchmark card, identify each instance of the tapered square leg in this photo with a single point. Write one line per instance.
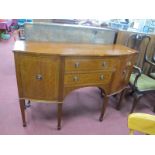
(104, 106)
(131, 132)
(22, 108)
(59, 115)
(137, 97)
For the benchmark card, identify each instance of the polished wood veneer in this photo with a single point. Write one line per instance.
(49, 71)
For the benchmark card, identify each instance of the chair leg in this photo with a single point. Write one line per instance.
(22, 108)
(154, 109)
(131, 132)
(59, 115)
(120, 99)
(136, 99)
(104, 105)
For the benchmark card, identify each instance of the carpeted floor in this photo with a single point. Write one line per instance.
(81, 108)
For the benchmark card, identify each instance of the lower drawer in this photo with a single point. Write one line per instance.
(88, 78)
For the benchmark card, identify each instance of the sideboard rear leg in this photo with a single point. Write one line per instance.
(59, 115)
(121, 99)
(101, 92)
(104, 106)
(22, 108)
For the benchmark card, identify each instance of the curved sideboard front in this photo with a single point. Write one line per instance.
(49, 71)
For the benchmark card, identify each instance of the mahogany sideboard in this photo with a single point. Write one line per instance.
(47, 72)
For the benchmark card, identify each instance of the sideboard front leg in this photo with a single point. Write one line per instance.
(22, 108)
(59, 115)
(104, 106)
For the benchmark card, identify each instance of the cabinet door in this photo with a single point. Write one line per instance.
(123, 65)
(39, 76)
(125, 70)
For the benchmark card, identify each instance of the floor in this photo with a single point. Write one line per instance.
(81, 108)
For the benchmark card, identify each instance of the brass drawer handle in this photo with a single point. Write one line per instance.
(129, 63)
(39, 77)
(77, 64)
(75, 78)
(104, 64)
(101, 77)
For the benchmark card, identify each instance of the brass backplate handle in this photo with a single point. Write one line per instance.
(129, 63)
(77, 64)
(104, 64)
(75, 78)
(39, 77)
(101, 77)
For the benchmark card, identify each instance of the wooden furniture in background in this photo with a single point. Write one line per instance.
(47, 72)
(122, 38)
(140, 82)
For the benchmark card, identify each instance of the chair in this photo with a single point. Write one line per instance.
(144, 123)
(140, 43)
(140, 83)
(152, 67)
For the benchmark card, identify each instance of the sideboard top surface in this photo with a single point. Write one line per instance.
(71, 49)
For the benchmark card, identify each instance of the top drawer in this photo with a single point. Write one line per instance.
(80, 64)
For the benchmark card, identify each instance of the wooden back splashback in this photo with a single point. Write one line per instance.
(68, 33)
